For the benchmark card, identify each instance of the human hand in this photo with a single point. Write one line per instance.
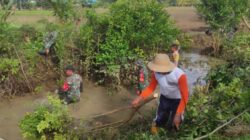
(177, 121)
(136, 101)
(46, 51)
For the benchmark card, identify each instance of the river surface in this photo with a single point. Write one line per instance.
(94, 99)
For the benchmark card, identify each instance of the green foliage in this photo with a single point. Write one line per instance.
(237, 55)
(45, 4)
(63, 9)
(116, 39)
(205, 112)
(185, 41)
(46, 120)
(18, 51)
(5, 10)
(208, 111)
(8, 66)
(223, 15)
(180, 2)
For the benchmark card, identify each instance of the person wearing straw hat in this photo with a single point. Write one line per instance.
(173, 92)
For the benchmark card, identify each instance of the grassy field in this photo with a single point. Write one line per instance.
(185, 17)
(30, 17)
(33, 13)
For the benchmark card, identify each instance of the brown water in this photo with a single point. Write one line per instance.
(94, 99)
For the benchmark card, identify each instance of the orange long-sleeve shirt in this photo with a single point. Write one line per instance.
(183, 87)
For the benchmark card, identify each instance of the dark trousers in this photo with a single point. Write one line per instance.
(67, 98)
(166, 112)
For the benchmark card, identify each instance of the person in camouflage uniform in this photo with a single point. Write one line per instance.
(49, 42)
(72, 87)
(142, 76)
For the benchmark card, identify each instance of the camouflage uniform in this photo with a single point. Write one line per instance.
(49, 41)
(73, 93)
(142, 76)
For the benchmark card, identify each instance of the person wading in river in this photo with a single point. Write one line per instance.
(142, 76)
(173, 89)
(72, 87)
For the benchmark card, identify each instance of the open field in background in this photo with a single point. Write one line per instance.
(31, 17)
(186, 18)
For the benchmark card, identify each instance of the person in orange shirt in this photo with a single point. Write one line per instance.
(173, 92)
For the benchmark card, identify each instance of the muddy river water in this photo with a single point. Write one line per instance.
(94, 100)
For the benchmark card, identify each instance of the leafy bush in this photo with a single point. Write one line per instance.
(63, 9)
(237, 55)
(205, 112)
(18, 59)
(47, 121)
(223, 15)
(111, 41)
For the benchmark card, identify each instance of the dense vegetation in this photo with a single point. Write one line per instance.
(47, 121)
(223, 15)
(113, 41)
(104, 49)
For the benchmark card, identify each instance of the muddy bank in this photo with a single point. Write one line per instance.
(94, 99)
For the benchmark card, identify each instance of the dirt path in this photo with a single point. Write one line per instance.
(187, 19)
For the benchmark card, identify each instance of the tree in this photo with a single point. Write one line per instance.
(63, 9)
(133, 28)
(223, 15)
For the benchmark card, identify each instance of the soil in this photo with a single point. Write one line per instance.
(187, 19)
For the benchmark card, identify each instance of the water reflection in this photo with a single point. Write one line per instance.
(196, 67)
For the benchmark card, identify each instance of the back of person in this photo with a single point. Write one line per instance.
(74, 82)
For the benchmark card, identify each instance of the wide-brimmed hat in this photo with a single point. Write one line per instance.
(161, 63)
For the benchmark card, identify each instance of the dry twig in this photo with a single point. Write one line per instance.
(24, 74)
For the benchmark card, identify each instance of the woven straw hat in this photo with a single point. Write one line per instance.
(161, 63)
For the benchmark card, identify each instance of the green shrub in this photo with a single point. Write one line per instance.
(112, 41)
(237, 55)
(18, 58)
(223, 15)
(47, 121)
(63, 9)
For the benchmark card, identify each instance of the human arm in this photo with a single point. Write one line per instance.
(183, 86)
(147, 91)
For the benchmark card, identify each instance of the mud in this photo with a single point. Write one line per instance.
(95, 100)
